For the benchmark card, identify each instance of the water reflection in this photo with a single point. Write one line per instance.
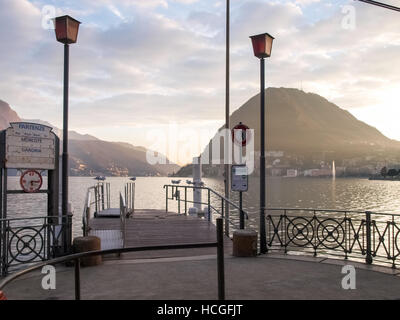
(341, 193)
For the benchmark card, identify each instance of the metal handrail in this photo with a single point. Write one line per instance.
(44, 237)
(86, 214)
(101, 201)
(130, 196)
(32, 218)
(122, 216)
(360, 234)
(332, 210)
(224, 204)
(212, 191)
(78, 256)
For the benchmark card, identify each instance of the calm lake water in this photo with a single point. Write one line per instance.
(321, 193)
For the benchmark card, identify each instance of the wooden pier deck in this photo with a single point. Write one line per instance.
(148, 227)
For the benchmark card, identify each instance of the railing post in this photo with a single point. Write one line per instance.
(69, 228)
(77, 279)
(179, 200)
(129, 201)
(5, 227)
(166, 199)
(185, 200)
(126, 192)
(226, 218)
(95, 199)
(220, 259)
(133, 197)
(47, 229)
(102, 196)
(368, 258)
(87, 220)
(128, 196)
(108, 196)
(209, 206)
(241, 226)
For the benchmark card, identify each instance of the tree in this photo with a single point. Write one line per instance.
(384, 172)
(392, 173)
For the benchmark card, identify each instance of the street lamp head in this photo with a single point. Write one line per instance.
(66, 29)
(262, 45)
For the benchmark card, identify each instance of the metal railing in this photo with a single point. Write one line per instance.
(28, 240)
(87, 215)
(98, 198)
(358, 235)
(130, 197)
(219, 244)
(122, 216)
(216, 203)
(361, 235)
(101, 196)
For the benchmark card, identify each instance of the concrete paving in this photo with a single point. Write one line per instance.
(264, 277)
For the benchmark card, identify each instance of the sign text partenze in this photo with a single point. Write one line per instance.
(29, 146)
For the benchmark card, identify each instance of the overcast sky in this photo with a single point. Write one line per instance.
(146, 65)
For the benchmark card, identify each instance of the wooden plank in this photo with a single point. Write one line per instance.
(157, 227)
(111, 212)
(110, 239)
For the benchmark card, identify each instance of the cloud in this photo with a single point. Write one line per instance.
(114, 10)
(152, 61)
(128, 3)
(306, 2)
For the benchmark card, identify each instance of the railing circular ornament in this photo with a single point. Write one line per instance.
(300, 231)
(26, 245)
(397, 241)
(330, 233)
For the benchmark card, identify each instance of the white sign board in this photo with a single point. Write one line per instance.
(30, 146)
(239, 178)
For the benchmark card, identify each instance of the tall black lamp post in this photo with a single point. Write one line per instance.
(227, 150)
(262, 46)
(66, 32)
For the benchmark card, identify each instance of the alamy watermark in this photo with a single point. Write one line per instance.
(49, 280)
(178, 143)
(349, 280)
(349, 21)
(48, 14)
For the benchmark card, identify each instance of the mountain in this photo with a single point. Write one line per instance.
(113, 158)
(91, 156)
(72, 135)
(308, 130)
(298, 121)
(7, 115)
